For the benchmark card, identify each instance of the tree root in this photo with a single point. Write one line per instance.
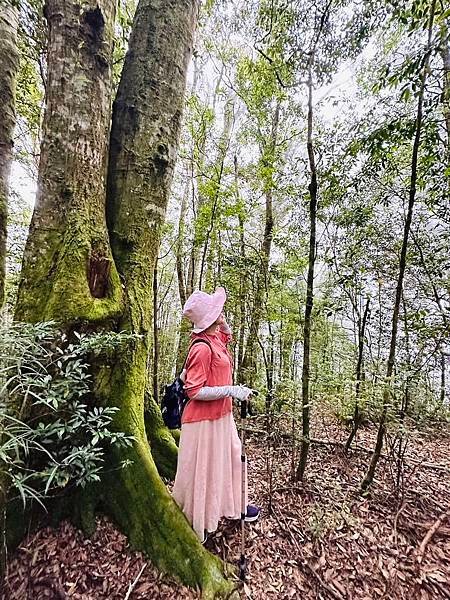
(162, 443)
(139, 502)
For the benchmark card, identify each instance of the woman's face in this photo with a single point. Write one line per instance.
(221, 319)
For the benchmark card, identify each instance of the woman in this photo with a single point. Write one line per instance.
(208, 480)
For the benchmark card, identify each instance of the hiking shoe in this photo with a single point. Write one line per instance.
(205, 538)
(253, 513)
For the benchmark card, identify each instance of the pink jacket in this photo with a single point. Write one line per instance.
(206, 367)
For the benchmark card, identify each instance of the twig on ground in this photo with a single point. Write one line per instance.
(429, 535)
(397, 515)
(303, 562)
(323, 583)
(287, 488)
(133, 585)
(429, 465)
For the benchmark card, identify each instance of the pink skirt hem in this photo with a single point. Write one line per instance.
(208, 480)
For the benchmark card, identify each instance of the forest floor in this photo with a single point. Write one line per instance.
(320, 540)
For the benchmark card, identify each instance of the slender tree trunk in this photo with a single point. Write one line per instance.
(155, 335)
(262, 277)
(9, 64)
(199, 168)
(80, 280)
(224, 143)
(404, 407)
(443, 385)
(368, 479)
(205, 268)
(243, 287)
(270, 366)
(359, 374)
(180, 245)
(197, 268)
(184, 289)
(185, 285)
(304, 448)
(445, 54)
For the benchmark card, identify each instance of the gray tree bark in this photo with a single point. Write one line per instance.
(9, 64)
(445, 54)
(67, 267)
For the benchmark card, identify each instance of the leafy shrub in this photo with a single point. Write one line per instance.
(52, 436)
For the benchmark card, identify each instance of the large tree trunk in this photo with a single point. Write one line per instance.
(144, 138)
(368, 479)
(88, 271)
(68, 273)
(9, 64)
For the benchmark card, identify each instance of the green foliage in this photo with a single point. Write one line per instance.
(29, 94)
(124, 22)
(53, 436)
(325, 518)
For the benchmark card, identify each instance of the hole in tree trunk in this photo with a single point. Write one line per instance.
(98, 274)
(94, 18)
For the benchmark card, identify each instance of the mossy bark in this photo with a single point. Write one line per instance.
(162, 442)
(156, 526)
(77, 268)
(68, 272)
(144, 138)
(9, 64)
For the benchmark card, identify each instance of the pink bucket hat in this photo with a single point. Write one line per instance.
(203, 309)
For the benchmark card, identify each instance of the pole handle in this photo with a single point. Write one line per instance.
(244, 409)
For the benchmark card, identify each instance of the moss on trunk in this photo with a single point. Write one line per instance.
(157, 527)
(77, 270)
(135, 496)
(68, 273)
(9, 64)
(162, 443)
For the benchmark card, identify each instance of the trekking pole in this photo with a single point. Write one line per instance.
(244, 412)
(242, 560)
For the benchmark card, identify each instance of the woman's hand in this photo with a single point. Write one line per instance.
(241, 392)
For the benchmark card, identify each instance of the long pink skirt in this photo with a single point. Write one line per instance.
(208, 480)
